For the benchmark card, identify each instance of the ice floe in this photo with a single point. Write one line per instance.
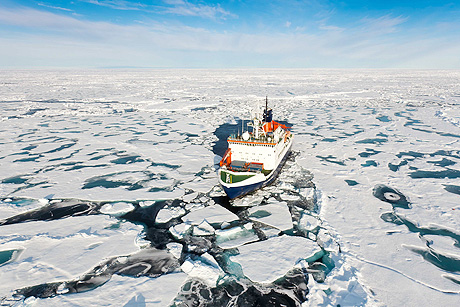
(260, 263)
(203, 267)
(214, 214)
(236, 236)
(374, 182)
(63, 249)
(275, 214)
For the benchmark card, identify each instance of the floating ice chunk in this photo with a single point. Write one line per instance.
(312, 194)
(189, 197)
(198, 245)
(266, 261)
(273, 189)
(288, 197)
(126, 291)
(200, 184)
(214, 214)
(175, 249)
(194, 206)
(166, 214)
(270, 232)
(146, 203)
(43, 201)
(325, 240)
(249, 200)
(273, 214)
(116, 209)
(62, 289)
(272, 200)
(442, 244)
(63, 249)
(204, 267)
(179, 230)
(236, 236)
(203, 229)
(203, 199)
(308, 222)
(217, 191)
(122, 259)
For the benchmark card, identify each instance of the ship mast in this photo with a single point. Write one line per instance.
(266, 104)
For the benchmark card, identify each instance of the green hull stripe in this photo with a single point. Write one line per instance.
(232, 178)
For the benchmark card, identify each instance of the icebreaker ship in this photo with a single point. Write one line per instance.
(255, 158)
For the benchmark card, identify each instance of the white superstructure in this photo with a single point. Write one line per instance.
(254, 158)
(266, 150)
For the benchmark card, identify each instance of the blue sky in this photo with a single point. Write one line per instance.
(228, 34)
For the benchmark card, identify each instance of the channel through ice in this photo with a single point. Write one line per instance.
(109, 193)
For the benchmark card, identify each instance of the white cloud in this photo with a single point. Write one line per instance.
(384, 24)
(175, 7)
(330, 28)
(68, 41)
(185, 8)
(54, 7)
(117, 4)
(27, 17)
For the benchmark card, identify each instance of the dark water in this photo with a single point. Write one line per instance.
(351, 182)
(455, 189)
(442, 260)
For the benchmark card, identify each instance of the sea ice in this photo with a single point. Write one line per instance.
(214, 214)
(250, 200)
(166, 214)
(204, 267)
(148, 135)
(189, 197)
(124, 291)
(175, 249)
(180, 230)
(116, 208)
(203, 229)
(275, 214)
(261, 264)
(236, 236)
(63, 249)
(325, 240)
(308, 222)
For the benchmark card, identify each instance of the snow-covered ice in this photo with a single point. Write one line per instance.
(105, 172)
(236, 236)
(275, 214)
(203, 267)
(261, 264)
(214, 214)
(62, 249)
